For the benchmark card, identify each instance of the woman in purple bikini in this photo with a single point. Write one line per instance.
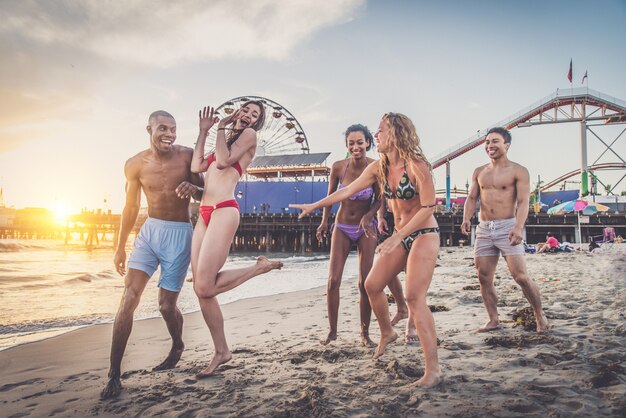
(354, 224)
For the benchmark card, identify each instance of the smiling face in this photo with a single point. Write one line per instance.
(383, 137)
(162, 130)
(357, 144)
(495, 147)
(250, 117)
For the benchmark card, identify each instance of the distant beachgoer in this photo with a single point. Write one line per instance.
(594, 247)
(163, 173)
(354, 224)
(551, 244)
(501, 186)
(405, 179)
(219, 220)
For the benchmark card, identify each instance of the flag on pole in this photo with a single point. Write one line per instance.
(584, 77)
(569, 73)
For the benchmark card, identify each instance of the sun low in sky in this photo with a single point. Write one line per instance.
(79, 79)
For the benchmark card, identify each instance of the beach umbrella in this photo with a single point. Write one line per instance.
(593, 207)
(570, 206)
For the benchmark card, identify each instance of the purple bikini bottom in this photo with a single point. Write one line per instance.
(353, 232)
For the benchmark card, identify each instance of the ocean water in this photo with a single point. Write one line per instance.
(47, 288)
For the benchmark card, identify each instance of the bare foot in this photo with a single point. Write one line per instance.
(171, 360)
(400, 315)
(267, 264)
(489, 326)
(410, 335)
(384, 340)
(216, 361)
(112, 389)
(332, 336)
(542, 323)
(366, 341)
(429, 380)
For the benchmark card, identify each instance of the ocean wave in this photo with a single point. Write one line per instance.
(43, 325)
(7, 247)
(305, 259)
(89, 277)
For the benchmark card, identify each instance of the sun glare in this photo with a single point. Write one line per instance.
(61, 212)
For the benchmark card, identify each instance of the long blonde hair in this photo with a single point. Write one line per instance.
(403, 136)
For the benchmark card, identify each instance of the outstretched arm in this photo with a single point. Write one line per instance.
(129, 214)
(470, 203)
(367, 177)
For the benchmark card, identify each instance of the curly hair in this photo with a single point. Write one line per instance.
(403, 137)
(357, 127)
(234, 134)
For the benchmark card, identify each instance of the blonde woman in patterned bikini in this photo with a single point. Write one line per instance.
(405, 178)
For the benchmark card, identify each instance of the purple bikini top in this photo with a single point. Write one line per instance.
(365, 194)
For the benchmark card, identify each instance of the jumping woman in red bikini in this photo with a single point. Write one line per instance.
(234, 150)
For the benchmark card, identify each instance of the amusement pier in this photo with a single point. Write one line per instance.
(285, 171)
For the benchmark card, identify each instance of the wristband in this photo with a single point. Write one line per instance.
(221, 129)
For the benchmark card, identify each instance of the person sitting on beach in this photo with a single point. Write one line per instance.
(354, 224)
(503, 188)
(219, 220)
(405, 179)
(594, 247)
(551, 245)
(163, 172)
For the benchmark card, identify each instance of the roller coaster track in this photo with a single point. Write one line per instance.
(604, 166)
(569, 105)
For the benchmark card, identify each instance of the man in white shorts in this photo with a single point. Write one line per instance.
(163, 172)
(503, 188)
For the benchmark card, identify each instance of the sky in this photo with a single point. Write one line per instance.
(79, 79)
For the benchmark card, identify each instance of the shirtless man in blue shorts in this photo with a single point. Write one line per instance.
(503, 188)
(163, 173)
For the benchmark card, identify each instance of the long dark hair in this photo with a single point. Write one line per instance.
(234, 134)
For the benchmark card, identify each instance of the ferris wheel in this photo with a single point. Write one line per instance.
(281, 133)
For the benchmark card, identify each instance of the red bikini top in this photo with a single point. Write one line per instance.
(236, 166)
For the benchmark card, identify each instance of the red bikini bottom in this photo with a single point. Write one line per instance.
(206, 211)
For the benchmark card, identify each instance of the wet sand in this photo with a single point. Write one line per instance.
(280, 369)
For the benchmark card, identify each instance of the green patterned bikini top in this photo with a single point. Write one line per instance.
(404, 191)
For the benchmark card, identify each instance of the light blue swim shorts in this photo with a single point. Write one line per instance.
(167, 243)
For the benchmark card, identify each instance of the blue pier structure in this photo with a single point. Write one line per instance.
(272, 182)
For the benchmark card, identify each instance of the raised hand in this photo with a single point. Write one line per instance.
(230, 119)
(208, 118)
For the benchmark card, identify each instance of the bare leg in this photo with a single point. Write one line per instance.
(135, 283)
(366, 247)
(174, 321)
(386, 267)
(339, 249)
(486, 267)
(210, 246)
(212, 315)
(517, 267)
(420, 267)
(396, 290)
(410, 336)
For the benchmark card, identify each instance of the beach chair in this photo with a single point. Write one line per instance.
(606, 240)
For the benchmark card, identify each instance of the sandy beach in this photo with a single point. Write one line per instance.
(280, 369)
